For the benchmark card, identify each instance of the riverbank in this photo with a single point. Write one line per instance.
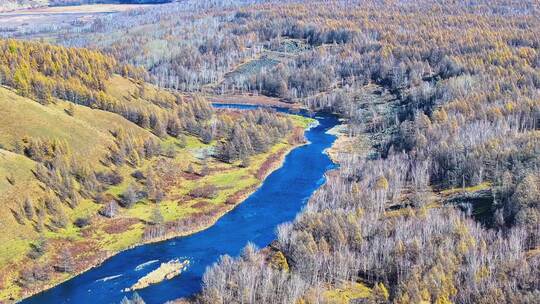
(271, 162)
(253, 100)
(347, 144)
(342, 144)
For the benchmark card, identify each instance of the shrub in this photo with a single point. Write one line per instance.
(110, 209)
(82, 222)
(38, 249)
(129, 197)
(206, 191)
(28, 208)
(138, 175)
(59, 220)
(110, 178)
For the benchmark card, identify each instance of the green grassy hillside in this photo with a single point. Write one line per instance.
(88, 134)
(25, 118)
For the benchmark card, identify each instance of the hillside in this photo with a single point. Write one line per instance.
(103, 162)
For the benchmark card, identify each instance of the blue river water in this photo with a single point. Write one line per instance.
(278, 200)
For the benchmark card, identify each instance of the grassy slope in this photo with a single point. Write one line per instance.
(22, 117)
(87, 132)
(18, 169)
(346, 292)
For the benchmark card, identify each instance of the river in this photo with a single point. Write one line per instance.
(278, 200)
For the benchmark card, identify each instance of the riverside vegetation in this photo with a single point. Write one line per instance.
(94, 160)
(437, 198)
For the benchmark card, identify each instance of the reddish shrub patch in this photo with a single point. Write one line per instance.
(169, 174)
(269, 163)
(252, 100)
(190, 176)
(206, 191)
(87, 232)
(3, 278)
(201, 205)
(120, 225)
(81, 252)
(297, 136)
(239, 195)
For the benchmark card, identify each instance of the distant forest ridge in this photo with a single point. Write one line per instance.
(6, 5)
(79, 2)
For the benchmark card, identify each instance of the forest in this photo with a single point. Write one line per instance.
(437, 196)
(447, 100)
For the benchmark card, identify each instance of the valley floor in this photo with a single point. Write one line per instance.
(44, 16)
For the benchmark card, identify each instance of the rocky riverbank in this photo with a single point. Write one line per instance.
(165, 271)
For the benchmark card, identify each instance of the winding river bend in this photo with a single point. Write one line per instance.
(279, 199)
